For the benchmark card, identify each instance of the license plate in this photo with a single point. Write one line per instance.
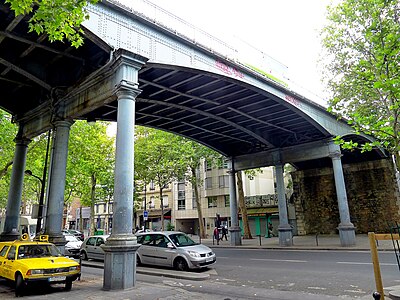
(57, 278)
(209, 259)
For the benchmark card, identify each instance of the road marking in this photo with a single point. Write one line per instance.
(361, 263)
(280, 260)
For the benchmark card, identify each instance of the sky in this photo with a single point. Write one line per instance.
(287, 30)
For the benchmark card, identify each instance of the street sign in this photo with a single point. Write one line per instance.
(145, 215)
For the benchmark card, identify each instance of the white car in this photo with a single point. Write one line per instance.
(173, 249)
(73, 245)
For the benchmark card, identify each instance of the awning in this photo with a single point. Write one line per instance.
(261, 211)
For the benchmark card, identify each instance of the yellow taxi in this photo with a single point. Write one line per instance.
(24, 262)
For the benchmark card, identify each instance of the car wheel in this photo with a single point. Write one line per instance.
(84, 255)
(180, 264)
(20, 285)
(68, 284)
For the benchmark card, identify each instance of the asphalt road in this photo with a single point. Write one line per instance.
(251, 273)
(335, 273)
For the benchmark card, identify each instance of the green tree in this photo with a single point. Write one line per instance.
(90, 169)
(34, 162)
(59, 19)
(361, 39)
(193, 154)
(159, 153)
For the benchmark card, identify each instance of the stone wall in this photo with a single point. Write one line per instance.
(372, 194)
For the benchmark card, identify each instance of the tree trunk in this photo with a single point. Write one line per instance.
(242, 206)
(80, 219)
(4, 170)
(92, 202)
(162, 209)
(195, 185)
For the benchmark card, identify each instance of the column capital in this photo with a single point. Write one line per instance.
(334, 151)
(335, 155)
(63, 123)
(22, 141)
(126, 91)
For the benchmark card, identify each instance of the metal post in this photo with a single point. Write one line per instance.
(43, 181)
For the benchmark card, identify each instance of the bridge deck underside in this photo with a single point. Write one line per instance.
(228, 116)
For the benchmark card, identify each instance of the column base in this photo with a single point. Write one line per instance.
(58, 240)
(285, 235)
(347, 234)
(9, 236)
(120, 262)
(235, 236)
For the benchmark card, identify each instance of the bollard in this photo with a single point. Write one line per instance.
(316, 238)
(259, 238)
(376, 296)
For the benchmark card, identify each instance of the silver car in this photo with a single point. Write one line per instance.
(173, 249)
(91, 247)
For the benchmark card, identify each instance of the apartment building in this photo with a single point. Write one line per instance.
(259, 195)
(180, 209)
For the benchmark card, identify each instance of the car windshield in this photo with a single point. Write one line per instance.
(36, 251)
(182, 240)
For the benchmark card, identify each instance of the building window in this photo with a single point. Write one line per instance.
(152, 188)
(181, 196)
(165, 200)
(227, 200)
(144, 202)
(194, 203)
(212, 201)
(104, 208)
(208, 165)
(97, 208)
(208, 183)
(151, 203)
(223, 181)
(222, 164)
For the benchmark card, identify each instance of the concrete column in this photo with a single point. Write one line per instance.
(346, 228)
(120, 248)
(11, 230)
(55, 205)
(235, 231)
(285, 230)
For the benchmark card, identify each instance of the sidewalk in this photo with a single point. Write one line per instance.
(307, 242)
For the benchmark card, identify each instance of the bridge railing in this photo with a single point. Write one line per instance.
(242, 53)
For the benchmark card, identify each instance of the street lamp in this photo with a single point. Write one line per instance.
(42, 182)
(41, 199)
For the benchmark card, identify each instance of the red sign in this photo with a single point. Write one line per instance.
(228, 70)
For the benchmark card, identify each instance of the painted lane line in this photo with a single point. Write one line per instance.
(361, 263)
(280, 260)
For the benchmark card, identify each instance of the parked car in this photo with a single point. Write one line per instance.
(90, 248)
(173, 249)
(25, 262)
(76, 233)
(73, 245)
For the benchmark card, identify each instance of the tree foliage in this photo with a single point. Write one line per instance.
(193, 154)
(158, 158)
(362, 41)
(59, 19)
(90, 168)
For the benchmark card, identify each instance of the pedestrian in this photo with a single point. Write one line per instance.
(224, 232)
(270, 227)
(216, 235)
